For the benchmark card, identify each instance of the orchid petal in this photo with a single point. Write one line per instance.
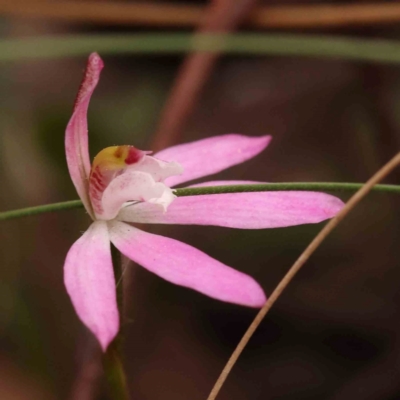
(184, 265)
(76, 134)
(158, 169)
(134, 186)
(249, 210)
(89, 279)
(209, 156)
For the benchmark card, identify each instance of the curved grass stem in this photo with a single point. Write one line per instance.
(249, 44)
(363, 190)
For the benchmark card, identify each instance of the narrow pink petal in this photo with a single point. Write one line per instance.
(89, 278)
(251, 210)
(76, 134)
(186, 266)
(211, 155)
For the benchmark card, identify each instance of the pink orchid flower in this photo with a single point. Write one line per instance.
(125, 185)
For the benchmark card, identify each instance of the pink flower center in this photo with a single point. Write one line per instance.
(109, 163)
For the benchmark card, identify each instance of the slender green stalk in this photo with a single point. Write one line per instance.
(274, 187)
(115, 373)
(113, 367)
(25, 212)
(198, 191)
(117, 265)
(372, 50)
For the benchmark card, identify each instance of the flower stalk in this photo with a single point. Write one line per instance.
(115, 373)
(112, 360)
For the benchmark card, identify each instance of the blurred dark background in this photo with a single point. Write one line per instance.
(334, 334)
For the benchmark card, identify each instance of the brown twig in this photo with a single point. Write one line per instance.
(220, 16)
(170, 15)
(354, 200)
(105, 12)
(325, 16)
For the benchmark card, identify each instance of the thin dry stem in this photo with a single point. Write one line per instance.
(354, 200)
(178, 15)
(221, 16)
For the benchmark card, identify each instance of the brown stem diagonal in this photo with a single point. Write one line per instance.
(354, 200)
(221, 16)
